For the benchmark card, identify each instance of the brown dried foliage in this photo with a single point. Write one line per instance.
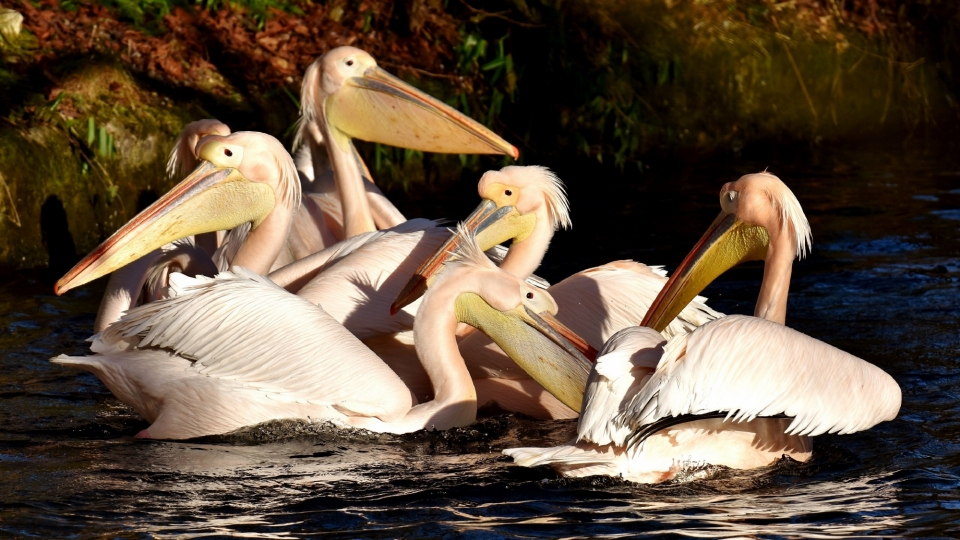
(276, 55)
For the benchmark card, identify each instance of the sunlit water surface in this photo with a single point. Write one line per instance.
(882, 283)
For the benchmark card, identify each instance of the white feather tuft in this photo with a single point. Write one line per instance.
(791, 213)
(469, 252)
(175, 162)
(554, 193)
(308, 101)
(288, 186)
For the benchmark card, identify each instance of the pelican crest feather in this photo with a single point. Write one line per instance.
(791, 213)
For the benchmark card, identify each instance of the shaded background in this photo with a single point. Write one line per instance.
(93, 94)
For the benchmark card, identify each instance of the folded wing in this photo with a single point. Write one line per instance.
(241, 327)
(749, 367)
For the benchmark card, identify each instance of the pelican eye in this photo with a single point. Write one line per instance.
(529, 296)
(729, 201)
(508, 192)
(221, 154)
(350, 62)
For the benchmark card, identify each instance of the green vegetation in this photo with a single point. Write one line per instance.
(95, 145)
(619, 81)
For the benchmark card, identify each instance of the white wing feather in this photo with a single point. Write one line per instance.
(241, 327)
(599, 302)
(750, 367)
(623, 367)
(357, 288)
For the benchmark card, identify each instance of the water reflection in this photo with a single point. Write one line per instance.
(952, 213)
(406, 487)
(848, 508)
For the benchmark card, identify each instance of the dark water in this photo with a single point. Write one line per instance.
(882, 283)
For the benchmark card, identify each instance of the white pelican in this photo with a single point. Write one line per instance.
(145, 279)
(345, 96)
(738, 391)
(236, 350)
(245, 177)
(532, 206)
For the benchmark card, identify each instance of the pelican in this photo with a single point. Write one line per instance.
(360, 278)
(236, 350)
(244, 177)
(146, 279)
(533, 206)
(738, 391)
(345, 96)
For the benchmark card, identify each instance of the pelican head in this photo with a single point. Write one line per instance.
(517, 202)
(241, 178)
(518, 317)
(183, 157)
(346, 91)
(760, 219)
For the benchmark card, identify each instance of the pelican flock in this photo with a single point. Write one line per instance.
(268, 286)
